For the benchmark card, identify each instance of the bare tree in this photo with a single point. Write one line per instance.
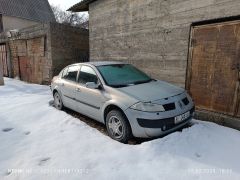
(69, 18)
(1, 74)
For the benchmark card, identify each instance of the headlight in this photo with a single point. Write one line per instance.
(148, 107)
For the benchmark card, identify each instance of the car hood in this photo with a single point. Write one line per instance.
(152, 91)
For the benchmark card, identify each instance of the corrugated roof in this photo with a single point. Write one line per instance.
(81, 6)
(36, 10)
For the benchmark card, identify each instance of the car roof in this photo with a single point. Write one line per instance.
(100, 63)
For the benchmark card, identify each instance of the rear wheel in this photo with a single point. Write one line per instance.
(58, 101)
(117, 126)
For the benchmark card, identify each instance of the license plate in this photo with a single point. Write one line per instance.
(182, 117)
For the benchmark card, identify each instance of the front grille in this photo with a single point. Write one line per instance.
(169, 107)
(165, 124)
(185, 101)
(168, 123)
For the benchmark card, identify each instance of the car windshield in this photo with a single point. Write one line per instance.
(122, 75)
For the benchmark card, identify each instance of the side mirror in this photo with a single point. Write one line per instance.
(92, 85)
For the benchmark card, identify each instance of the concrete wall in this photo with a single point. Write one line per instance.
(10, 23)
(68, 45)
(152, 34)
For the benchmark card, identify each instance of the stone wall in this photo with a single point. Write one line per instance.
(68, 45)
(152, 34)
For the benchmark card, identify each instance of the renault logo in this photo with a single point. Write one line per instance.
(180, 104)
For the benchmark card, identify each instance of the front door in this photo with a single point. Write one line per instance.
(89, 101)
(215, 64)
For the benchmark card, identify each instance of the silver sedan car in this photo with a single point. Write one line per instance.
(122, 97)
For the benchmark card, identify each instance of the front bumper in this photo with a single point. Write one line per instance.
(149, 125)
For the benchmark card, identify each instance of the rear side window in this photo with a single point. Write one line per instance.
(70, 73)
(64, 73)
(87, 74)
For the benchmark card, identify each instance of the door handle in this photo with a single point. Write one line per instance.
(78, 89)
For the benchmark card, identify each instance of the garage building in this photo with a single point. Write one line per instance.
(191, 43)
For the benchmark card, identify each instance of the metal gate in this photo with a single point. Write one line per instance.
(214, 67)
(3, 58)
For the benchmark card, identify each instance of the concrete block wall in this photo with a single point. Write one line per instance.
(68, 45)
(152, 34)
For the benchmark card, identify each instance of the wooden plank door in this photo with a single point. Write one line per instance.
(25, 69)
(3, 58)
(238, 94)
(214, 81)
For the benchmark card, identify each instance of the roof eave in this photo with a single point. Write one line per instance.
(81, 6)
(78, 9)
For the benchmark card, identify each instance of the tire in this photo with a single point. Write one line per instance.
(118, 126)
(58, 104)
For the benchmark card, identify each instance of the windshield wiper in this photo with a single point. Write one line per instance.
(132, 84)
(120, 86)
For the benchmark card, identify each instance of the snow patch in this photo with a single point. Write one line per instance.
(40, 142)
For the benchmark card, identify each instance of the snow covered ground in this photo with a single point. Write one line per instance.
(39, 142)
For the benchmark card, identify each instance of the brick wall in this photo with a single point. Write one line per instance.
(48, 48)
(152, 34)
(32, 44)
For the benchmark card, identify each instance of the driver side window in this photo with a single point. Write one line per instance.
(87, 74)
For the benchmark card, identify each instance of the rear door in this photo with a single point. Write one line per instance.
(68, 86)
(89, 101)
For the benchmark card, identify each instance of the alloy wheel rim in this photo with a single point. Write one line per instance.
(116, 127)
(57, 101)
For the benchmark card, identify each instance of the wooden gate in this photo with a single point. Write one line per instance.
(214, 67)
(25, 69)
(3, 58)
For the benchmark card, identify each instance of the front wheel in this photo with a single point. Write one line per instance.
(117, 126)
(58, 101)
